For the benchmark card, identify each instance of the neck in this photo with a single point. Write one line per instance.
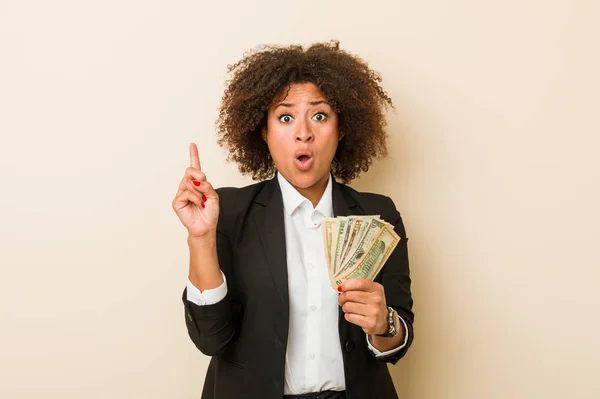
(315, 192)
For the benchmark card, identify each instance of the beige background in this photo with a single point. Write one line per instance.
(493, 164)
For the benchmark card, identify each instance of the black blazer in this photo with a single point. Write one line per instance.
(246, 333)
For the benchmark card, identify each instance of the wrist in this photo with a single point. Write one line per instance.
(204, 272)
(206, 241)
(384, 328)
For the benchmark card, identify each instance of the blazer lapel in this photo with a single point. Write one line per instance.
(271, 229)
(342, 205)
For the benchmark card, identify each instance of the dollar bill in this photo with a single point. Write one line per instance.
(370, 265)
(356, 246)
(354, 224)
(329, 231)
(374, 228)
(327, 237)
(344, 238)
(360, 227)
(337, 241)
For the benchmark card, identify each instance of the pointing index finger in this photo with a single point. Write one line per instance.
(194, 158)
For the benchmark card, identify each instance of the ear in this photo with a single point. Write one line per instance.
(341, 134)
(263, 133)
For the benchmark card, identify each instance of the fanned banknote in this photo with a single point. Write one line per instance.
(357, 246)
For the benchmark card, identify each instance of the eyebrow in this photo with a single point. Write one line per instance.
(290, 105)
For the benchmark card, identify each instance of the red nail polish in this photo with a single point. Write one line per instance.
(339, 288)
(203, 205)
(203, 198)
(196, 183)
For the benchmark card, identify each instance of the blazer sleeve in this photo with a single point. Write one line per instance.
(395, 278)
(213, 327)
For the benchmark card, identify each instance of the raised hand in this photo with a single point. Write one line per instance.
(196, 202)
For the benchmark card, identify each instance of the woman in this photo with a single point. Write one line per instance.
(258, 298)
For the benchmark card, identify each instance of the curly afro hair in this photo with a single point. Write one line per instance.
(266, 73)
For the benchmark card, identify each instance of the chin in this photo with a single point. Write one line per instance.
(304, 179)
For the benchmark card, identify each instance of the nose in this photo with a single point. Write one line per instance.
(304, 133)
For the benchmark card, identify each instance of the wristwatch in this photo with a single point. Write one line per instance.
(392, 331)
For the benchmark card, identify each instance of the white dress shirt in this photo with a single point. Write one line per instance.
(313, 359)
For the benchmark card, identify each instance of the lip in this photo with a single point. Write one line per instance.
(304, 165)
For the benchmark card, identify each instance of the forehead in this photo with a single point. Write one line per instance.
(300, 93)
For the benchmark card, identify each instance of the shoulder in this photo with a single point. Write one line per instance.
(232, 196)
(234, 204)
(373, 203)
(236, 200)
(367, 199)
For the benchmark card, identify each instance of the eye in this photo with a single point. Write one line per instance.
(285, 118)
(320, 117)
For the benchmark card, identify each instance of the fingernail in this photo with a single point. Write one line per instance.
(339, 288)
(196, 183)
(203, 205)
(203, 198)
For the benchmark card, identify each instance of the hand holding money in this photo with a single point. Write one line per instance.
(363, 303)
(357, 247)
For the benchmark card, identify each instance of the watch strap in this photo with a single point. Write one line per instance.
(392, 331)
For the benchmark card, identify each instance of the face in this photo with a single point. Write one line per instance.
(302, 135)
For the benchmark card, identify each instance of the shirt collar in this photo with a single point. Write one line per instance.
(292, 199)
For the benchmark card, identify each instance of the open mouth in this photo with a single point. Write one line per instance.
(303, 162)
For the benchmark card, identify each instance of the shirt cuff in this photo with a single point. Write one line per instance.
(378, 353)
(207, 297)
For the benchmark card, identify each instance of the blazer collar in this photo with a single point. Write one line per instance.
(292, 199)
(343, 205)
